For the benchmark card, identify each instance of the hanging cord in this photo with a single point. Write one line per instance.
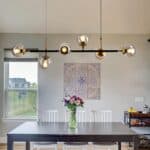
(100, 24)
(45, 27)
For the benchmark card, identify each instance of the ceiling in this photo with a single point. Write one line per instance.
(75, 16)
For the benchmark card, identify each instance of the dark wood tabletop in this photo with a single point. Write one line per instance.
(61, 128)
(85, 132)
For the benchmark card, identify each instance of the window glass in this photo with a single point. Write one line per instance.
(21, 89)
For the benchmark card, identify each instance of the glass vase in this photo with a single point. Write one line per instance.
(72, 119)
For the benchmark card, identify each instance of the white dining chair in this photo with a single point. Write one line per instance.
(46, 117)
(102, 116)
(81, 117)
(49, 116)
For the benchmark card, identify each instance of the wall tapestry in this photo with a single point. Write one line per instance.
(82, 79)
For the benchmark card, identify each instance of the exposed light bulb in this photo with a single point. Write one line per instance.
(45, 61)
(64, 48)
(130, 51)
(83, 40)
(18, 50)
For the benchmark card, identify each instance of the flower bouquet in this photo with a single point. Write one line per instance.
(72, 102)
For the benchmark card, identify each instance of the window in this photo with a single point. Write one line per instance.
(21, 89)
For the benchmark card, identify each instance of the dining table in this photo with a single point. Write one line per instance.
(33, 131)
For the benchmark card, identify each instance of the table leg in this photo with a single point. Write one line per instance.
(119, 145)
(9, 143)
(27, 145)
(130, 144)
(136, 143)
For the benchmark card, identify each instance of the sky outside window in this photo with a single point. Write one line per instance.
(27, 70)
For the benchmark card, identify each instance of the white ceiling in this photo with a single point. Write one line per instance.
(75, 16)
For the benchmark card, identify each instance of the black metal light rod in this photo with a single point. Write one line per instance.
(28, 49)
(36, 50)
(93, 51)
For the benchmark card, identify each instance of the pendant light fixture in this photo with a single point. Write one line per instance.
(18, 50)
(45, 60)
(100, 54)
(83, 40)
(65, 49)
(130, 51)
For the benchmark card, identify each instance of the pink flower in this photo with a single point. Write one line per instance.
(77, 102)
(72, 101)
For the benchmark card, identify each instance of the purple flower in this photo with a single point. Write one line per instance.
(73, 101)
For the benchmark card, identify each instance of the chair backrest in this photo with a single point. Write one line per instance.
(101, 116)
(106, 116)
(49, 116)
(66, 112)
(80, 116)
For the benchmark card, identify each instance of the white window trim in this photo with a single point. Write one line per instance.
(4, 111)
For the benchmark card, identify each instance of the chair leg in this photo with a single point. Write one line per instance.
(119, 145)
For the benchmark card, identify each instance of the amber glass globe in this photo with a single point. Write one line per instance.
(64, 48)
(100, 55)
(45, 61)
(18, 50)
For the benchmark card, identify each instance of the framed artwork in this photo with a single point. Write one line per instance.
(82, 79)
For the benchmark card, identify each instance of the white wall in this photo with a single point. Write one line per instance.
(122, 78)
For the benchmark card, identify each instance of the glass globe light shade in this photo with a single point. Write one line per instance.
(83, 40)
(100, 55)
(64, 48)
(130, 51)
(18, 50)
(45, 61)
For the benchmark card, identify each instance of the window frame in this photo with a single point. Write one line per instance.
(5, 88)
